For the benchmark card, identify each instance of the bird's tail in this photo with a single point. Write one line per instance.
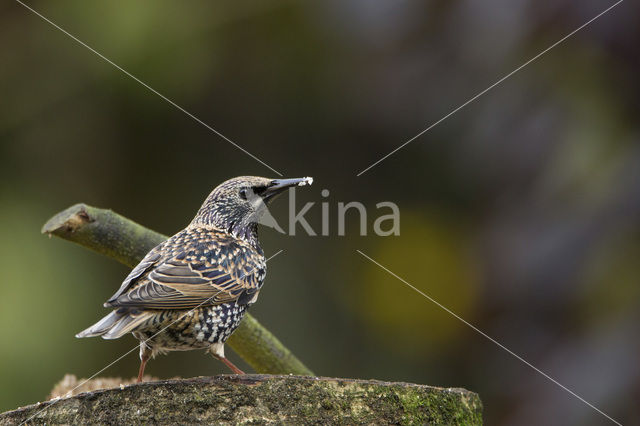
(116, 324)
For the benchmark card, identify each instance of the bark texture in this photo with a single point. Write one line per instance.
(259, 399)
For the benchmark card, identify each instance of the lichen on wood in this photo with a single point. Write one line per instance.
(259, 399)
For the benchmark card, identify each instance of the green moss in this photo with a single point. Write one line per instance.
(413, 406)
(259, 399)
(445, 407)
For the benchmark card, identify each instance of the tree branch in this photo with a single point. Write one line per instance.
(115, 236)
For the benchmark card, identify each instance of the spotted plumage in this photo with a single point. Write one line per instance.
(191, 291)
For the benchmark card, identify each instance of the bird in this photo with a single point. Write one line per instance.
(192, 290)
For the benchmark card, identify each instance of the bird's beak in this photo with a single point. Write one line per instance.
(278, 186)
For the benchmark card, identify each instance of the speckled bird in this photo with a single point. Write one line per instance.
(192, 290)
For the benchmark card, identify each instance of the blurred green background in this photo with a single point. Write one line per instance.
(520, 212)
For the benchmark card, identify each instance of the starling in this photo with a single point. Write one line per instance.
(192, 290)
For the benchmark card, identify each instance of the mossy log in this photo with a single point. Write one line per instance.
(259, 399)
(126, 241)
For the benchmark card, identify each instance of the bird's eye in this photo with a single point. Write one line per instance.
(243, 193)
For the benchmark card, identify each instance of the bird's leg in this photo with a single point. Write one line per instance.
(143, 363)
(217, 350)
(230, 365)
(145, 354)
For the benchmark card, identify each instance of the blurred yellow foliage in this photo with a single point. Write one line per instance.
(433, 255)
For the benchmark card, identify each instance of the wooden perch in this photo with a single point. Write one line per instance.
(117, 237)
(259, 399)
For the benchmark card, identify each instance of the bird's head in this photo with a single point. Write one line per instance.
(238, 204)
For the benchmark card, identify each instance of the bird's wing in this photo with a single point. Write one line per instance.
(206, 272)
(145, 264)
